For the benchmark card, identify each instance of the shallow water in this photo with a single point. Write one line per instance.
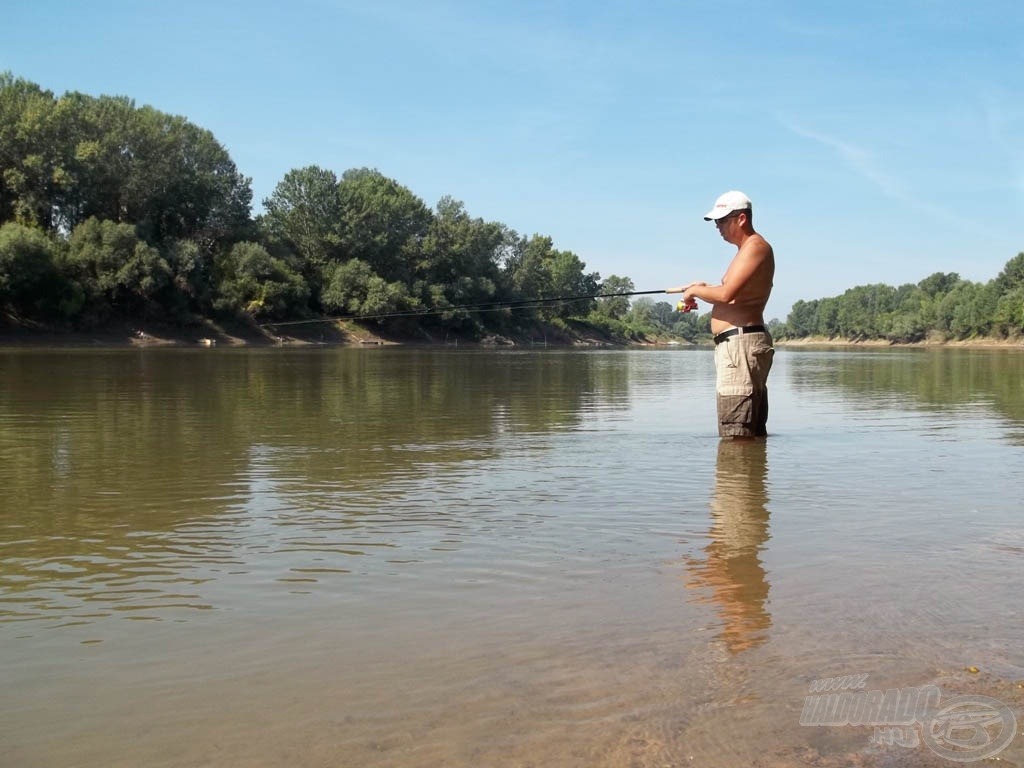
(462, 558)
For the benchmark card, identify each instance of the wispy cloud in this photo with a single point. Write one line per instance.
(1001, 122)
(864, 163)
(859, 159)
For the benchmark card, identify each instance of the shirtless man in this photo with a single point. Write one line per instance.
(743, 346)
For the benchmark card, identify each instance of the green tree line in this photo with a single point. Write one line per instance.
(941, 307)
(110, 211)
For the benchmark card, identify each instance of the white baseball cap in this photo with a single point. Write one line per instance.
(727, 203)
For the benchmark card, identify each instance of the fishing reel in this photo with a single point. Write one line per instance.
(686, 305)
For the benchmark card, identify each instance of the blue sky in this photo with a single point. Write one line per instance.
(879, 141)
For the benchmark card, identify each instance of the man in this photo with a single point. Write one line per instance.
(743, 346)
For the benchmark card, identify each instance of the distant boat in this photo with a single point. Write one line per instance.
(208, 342)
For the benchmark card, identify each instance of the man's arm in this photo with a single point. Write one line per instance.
(751, 256)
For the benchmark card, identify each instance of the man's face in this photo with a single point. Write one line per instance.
(727, 224)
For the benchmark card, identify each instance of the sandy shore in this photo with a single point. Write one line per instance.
(336, 333)
(210, 334)
(200, 334)
(823, 341)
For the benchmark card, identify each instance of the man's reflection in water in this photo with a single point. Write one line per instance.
(732, 569)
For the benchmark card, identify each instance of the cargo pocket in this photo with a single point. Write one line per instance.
(760, 364)
(733, 379)
(737, 410)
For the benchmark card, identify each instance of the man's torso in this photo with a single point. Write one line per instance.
(747, 307)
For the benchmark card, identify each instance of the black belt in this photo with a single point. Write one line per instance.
(739, 332)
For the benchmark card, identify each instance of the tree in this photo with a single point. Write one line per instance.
(99, 136)
(458, 261)
(116, 269)
(383, 223)
(1008, 318)
(903, 327)
(860, 313)
(568, 278)
(68, 160)
(354, 288)
(692, 326)
(192, 282)
(973, 310)
(662, 313)
(534, 269)
(526, 268)
(803, 319)
(32, 161)
(615, 307)
(252, 282)
(1012, 275)
(641, 312)
(29, 281)
(778, 329)
(826, 318)
(182, 183)
(939, 283)
(305, 213)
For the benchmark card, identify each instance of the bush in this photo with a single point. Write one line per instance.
(355, 288)
(252, 282)
(117, 271)
(29, 280)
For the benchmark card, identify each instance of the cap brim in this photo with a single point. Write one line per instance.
(715, 215)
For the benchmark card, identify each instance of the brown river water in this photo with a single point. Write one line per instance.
(409, 557)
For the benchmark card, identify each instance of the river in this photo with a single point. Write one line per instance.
(451, 557)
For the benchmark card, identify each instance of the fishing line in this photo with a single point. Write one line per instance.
(487, 306)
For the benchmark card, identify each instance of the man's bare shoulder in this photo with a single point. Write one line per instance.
(757, 247)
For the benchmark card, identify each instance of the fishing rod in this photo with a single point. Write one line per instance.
(489, 306)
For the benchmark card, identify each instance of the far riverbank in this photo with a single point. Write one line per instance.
(822, 341)
(207, 333)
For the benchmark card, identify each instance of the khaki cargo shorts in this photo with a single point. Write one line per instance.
(742, 364)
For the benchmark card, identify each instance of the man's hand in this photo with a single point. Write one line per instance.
(688, 303)
(688, 294)
(683, 288)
